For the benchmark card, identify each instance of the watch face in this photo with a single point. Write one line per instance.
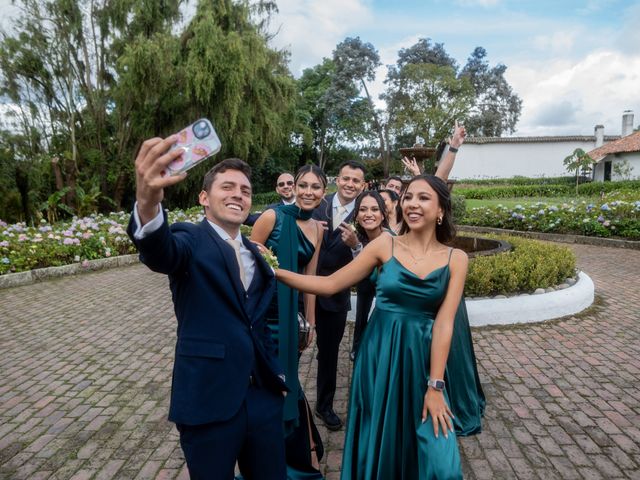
(439, 384)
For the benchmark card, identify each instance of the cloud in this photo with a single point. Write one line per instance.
(311, 29)
(477, 3)
(557, 42)
(556, 113)
(592, 90)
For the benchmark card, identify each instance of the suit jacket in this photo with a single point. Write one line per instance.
(222, 336)
(334, 254)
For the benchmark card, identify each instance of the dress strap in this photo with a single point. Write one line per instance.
(392, 245)
(450, 252)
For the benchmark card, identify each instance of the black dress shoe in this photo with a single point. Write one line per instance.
(330, 419)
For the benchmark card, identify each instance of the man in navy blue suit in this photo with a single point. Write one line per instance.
(336, 210)
(227, 389)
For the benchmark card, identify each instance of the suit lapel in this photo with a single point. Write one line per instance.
(263, 273)
(230, 261)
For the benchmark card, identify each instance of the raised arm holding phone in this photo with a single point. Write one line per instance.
(227, 389)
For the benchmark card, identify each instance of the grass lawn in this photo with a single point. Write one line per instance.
(512, 202)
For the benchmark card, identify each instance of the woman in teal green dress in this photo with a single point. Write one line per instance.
(400, 425)
(294, 237)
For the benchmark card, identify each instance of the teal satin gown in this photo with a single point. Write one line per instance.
(385, 437)
(461, 377)
(297, 445)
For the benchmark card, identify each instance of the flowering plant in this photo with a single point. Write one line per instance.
(614, 215)
(270, 258)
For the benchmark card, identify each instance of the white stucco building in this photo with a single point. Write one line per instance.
(624, 152)
(506, 157)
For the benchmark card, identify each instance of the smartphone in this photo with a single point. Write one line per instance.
(199, 142)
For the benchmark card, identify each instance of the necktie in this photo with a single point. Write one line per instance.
(339, 216)
(235, 244)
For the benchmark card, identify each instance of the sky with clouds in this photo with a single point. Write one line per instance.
(574, 63)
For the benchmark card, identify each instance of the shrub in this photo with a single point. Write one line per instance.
(518, 180)
(459, 207)
(529, 265)
(264, 199)
(485, 193)
(609, 217)
(595, 188)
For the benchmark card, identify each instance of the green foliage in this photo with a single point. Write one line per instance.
(540, 190)
(623, 169)
(517, 180)
(459, 207)
(612, 216)
(496, 107)
(424, 100)
(90, 82)
(529, 265)
(580, 162)
(596, 188)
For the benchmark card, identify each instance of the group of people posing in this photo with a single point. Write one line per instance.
(236, 398)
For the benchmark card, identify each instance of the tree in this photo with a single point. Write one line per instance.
(331, 110)
(356, 63)
(496, 107)
(424, 100)
(580, 162)
(89, 79)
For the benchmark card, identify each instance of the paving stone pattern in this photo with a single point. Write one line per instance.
(86, 368)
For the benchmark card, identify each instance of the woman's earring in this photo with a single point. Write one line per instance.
(439, 221)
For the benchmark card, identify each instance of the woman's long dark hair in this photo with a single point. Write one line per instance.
(361, 232)
(446, 231)
(394, 198)
(311, 168)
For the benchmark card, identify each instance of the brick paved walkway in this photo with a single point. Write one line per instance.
(86, 363)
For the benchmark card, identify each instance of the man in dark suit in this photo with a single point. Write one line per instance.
(227, 389)
(284, 188)
(336, 210)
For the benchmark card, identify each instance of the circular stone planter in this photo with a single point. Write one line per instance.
(532, 308)
(524, 308)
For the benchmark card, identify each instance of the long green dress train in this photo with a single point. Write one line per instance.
(461, 376)
(294, 252)
(385, 437)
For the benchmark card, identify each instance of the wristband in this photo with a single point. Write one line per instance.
(453, 149)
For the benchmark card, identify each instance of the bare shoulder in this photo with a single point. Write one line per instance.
(268, 217)
(459, 259)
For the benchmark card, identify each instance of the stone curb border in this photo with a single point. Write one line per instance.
(556, 237)
(41, 274)
(532, 308)
(524, 308)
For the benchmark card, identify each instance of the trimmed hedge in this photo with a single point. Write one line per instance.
(594, 188)
(531, 264)
(519, 181)
(518, 191)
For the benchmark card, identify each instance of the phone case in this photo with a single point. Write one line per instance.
(199, 142)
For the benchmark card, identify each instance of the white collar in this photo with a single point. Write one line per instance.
(223, 233)
(336, 203)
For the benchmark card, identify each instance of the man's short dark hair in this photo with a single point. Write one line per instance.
(354, 164)
(393, 177)
(223, 166)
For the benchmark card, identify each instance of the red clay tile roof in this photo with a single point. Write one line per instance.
(630, 143)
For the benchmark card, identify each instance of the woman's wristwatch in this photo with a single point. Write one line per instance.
(436, 384)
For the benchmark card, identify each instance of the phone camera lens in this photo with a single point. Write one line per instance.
(201, 130)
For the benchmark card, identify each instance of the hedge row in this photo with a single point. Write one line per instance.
(595, 188)
(518, 191)
(519, 181)
(529, 265)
